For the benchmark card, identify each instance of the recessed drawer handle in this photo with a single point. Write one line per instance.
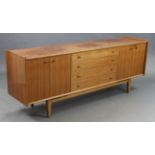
(78, 66)
(53, 61)
(113, 51)
(79, 57)
(110, 78)
(45, 62)
(77, 86)
(132, 48)
(78, 76)
(135, 47)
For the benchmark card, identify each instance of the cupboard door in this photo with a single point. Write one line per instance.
(131, 61)
(38, 79)
(125, 62)
(60, 75)
(139, 59)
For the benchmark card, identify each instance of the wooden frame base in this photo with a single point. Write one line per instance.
(50, 101)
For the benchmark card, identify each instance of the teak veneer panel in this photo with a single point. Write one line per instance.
(92, 81)
(60, 75)
(93, 68)
(95, 54)
(139, 59)
(55, 50)
(47, 77)
(16, 76)
(38, 79)
(131, 60)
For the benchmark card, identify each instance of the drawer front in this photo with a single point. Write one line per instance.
(98, 54)
(92, 81)
(94, 63)
(93, 68)
(98, 71)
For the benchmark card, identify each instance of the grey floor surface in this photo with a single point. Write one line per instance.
(110, 105)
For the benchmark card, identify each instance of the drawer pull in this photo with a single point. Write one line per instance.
(78, 66)
(77, 86)
(45, 62)
(110, 78)
(113, 51)
(136, 47)
(79, 57)
(53, 61)
(78, 76)
(132, 48)
(111, 69)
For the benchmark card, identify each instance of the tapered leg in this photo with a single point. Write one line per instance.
(32, 105)
(49, 108)
(129, 86)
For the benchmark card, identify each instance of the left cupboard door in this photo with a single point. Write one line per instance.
(38, 79)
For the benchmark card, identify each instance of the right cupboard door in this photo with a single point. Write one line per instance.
(131, 61)
(139, 57)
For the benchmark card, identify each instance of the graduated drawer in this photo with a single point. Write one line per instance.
(81, 83)
(93, 68)
(81, 73)
(95, 55)
(94, 64)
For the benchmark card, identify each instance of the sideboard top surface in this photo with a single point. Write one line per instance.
(54, 50)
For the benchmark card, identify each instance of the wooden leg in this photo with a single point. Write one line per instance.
(32, 105)
(129, 86)
(49, 108)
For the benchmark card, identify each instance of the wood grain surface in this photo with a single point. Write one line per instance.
(46, 73)
(54, 50)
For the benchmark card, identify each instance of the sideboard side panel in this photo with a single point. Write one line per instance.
(16, 76)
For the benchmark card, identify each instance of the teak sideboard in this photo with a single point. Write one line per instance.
(57, 72)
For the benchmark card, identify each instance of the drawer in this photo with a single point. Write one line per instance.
(91, 63)
(98, 71)
(101, 63)
(93, 68)
(95, 55)
(81, 83)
